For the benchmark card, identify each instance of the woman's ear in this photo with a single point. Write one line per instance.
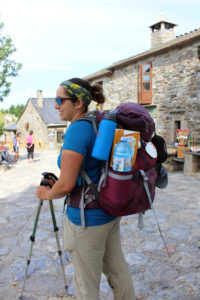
(79, 103)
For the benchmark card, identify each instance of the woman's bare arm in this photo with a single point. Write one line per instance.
(71, 162)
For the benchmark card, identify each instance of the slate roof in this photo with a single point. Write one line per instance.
(177, 42)
(48, 113)
(11, 127)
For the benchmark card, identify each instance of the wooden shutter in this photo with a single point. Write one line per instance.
(145, 83)
(27, 126)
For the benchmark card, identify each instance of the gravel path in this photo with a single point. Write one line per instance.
(155, 276)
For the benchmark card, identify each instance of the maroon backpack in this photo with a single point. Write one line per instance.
(135, 117)
(121, 194)
(128, 193)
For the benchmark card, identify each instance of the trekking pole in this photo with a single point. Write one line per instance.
(32, 238)
(52, 179)
(57, 241)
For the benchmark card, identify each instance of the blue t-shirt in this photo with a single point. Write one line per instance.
(80, 137)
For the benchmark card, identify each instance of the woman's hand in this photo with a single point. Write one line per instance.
(70, 166)
(42, 192)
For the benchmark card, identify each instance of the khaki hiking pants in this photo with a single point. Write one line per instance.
(93, 250)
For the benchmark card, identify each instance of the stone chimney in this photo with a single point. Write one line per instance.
(39, 98)
(162, 32)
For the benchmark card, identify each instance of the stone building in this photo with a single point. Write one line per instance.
(165, 79)
(6, 139)
(10, 128)
(40, 116)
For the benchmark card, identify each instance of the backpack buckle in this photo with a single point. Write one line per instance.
(136, 175)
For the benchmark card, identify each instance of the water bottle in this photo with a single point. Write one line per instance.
(105, 136)
(123, 156)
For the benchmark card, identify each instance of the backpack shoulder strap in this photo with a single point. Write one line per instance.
(92, 186)
(91, 117)
(95, 195)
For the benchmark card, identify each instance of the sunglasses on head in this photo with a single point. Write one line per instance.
(60, 100)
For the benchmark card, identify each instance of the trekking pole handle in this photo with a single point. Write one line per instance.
(49, 179)
(48, 175)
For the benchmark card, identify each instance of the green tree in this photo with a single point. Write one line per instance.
(19, 110)
(8, 68)
(16, 110)
(12, 110)
(2, 124)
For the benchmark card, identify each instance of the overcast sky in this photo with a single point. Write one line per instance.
(61, 39)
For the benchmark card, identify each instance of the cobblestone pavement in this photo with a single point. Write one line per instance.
(155, 276)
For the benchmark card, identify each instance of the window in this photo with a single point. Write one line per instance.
(145, 83)
(60, 137)
(100, 83)
(198, 52)
(27, 126)
(177, 125)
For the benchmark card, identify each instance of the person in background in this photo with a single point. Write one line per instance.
(96, 248)
(30, 146)
(16, 142)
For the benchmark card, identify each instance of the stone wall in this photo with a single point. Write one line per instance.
(44, 137)
(162, 36)
(36, 124)
(119, 87)
(175, 90)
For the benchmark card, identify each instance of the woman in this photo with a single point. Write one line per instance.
(16, 142)
(30, 145)
(96, 248)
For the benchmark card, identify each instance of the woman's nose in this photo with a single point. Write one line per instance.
(56, 106)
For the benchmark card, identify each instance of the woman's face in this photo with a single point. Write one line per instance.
(67, 109)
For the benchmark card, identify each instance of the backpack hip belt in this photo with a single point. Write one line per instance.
(73, 199)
